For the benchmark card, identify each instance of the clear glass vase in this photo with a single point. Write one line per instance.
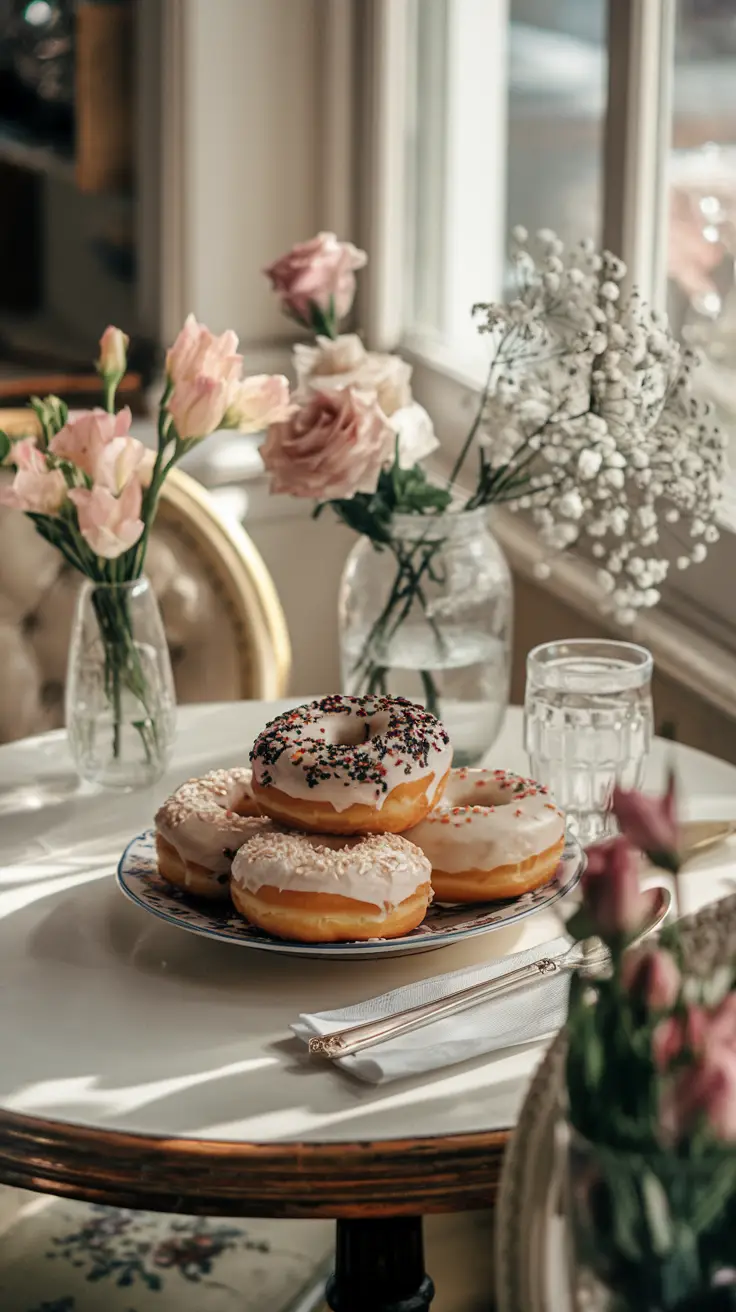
(120, 698)
(429, 617)
(650, 1232)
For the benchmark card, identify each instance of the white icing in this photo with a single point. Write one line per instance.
(488, 818)
(289, 773)
(200, 819)
(381, 869)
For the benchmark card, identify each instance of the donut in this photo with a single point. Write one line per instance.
(322, 888)
(351, 765)
(494, 835)
(201, 826)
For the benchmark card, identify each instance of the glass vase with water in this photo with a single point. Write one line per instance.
(428, 616)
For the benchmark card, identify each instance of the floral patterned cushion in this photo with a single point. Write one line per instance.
(62, 1256)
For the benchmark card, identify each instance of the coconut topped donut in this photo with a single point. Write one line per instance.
(207, 819)
(493, 835)
(351, 765)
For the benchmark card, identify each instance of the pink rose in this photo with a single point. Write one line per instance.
(35, 489)
(258, 401)
(109, 524)
(333, 446)
(650, 823)
(652, 975)
(317, 275)
(197, 406)
(612, 894)
(113, 357)
(84, 437)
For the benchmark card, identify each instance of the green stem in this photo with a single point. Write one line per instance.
(110, 387)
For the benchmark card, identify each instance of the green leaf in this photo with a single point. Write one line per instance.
(665, 860)
(5, 446)
(580, 926)
(657, 1211)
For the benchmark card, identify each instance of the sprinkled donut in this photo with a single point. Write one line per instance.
(320, 888)
(201, 826)
(351, 765)
(494, 835)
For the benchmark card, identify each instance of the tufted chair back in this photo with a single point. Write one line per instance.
(225, 627)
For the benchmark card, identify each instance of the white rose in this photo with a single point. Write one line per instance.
(339, 356)
(331, 365)
(415, 432)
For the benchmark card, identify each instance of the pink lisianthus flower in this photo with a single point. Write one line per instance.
(319, 273)
(612, 896)
(84, 437)
(120, 460)
(332, 447)
(197, 406)
(651, 974)
(205, 372)
(109, 524)
(258, 401)
(36, 489)
(650, 823)
(197, 351)
(113, 357)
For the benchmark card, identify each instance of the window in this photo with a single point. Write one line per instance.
(613, 120)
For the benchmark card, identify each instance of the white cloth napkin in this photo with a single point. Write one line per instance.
(530, 1013)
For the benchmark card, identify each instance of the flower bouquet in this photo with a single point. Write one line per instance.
(91, 489)
(587, 421)
(651, 1094)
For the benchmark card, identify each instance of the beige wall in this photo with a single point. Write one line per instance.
(540, 617)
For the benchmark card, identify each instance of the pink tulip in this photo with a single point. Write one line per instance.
(109, 524)
(113, 357)
(704, 1091)
(119, 460)
(612, 894)
(651, 975)
(85, 435)
(257, 402)
(35, 489)
(678, 1034)
(332, 447)
(198, 406)
(650, 823)
(319, 273)
(197, 351)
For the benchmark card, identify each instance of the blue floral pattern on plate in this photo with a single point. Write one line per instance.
(139, 880)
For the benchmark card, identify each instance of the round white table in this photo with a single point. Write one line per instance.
(145, 1066)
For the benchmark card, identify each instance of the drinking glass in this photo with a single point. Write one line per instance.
(588, 724)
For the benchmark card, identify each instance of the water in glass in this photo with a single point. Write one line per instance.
(588, 724)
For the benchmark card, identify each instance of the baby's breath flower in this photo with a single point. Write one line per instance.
(590, 409)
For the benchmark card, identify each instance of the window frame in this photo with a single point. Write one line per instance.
(636, 146)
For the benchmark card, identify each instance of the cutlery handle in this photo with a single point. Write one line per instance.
(342, 1043)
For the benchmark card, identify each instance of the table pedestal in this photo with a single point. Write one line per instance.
(379, 1267)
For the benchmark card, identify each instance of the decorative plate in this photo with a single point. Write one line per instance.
(533, 1262)
(139, 880)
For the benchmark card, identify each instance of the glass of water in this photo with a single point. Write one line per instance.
(588, 724)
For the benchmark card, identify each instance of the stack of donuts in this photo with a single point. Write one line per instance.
(349, 822)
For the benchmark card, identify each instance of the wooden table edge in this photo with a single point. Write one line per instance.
(370, 1178)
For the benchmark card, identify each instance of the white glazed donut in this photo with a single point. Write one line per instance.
(201, 826)
(320, 888)
(351, 765)
(494, 835)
